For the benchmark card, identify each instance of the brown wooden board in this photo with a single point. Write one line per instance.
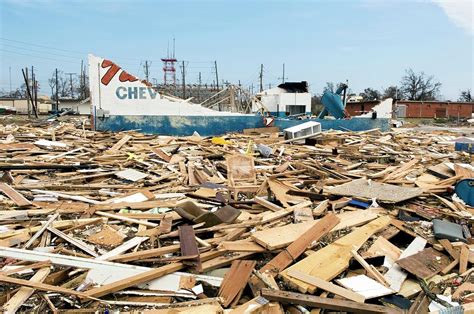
(189, 248)
(425, 264)
(235, 281)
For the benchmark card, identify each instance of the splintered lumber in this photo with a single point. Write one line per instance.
(221, 261)
(331, 260)
(43, 287)
(327, 286)
(77, 243)
(280, 237)
(463, 259)
(120, 143)
(371, 270)
(40, 231)
(395, 276)
(256, 305)
(134, 280)
(424, 264)
(12, 194)
(189, 248)
(241, 246)
(263, 202)
(235, 281)
(383, 247)
(144, 254)
(325, 303)
(365, 189)
(25, 292)
(130, 220)
(296, 248)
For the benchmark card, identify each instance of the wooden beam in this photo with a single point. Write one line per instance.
(463, 259)
(327, 286)
(135, 256)
(189, 248)
(24, 293)
(12, 194)
(267, 204)
(130, 220)
(324, 303)
(235, 281)
(295, 249)
(371, 270)
(134, 280)
(43, 287)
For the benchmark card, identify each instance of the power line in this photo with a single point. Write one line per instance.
(29, 55)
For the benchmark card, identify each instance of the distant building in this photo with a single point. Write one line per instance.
(290, 98)
(355, 98)
(82, 107)
(21, 104)
(418, 109)
(434, 109)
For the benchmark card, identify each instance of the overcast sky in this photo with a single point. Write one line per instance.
(370, 43)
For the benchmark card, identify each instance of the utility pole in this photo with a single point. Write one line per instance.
(27, 80)
(146, 69)
(81, 79)
(57, 87)
(261, 77)
(28, 92)
(10, 72)
(31, 89)
(70, 81)
(184, 81)
(283, 78)
(34, 92)
(217, 76)
(199, 88)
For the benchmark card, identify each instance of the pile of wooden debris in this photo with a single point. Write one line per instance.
(247, 223)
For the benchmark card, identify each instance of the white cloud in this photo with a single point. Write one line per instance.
(460, 12)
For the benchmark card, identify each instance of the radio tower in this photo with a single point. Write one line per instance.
(169, 70)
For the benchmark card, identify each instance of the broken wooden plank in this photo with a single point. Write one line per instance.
(133, 280)
(425, 263)
(295, 249)
(338, 252)
(189, 248)
(279, 237)
(395, 275)
(24, 293)
(12, 194)
(327, 286)
(235, 281)
(43, 287)
(325, 303)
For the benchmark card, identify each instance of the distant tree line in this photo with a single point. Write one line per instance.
(413, 86)
(69, 86)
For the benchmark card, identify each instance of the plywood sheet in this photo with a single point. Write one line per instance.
(425, 264)
(331, 260)
(364, 189)
(280, 237)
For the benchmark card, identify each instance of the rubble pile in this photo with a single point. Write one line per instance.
(364, 222)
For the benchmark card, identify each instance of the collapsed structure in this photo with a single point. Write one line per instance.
(120, 101)
(247, 223)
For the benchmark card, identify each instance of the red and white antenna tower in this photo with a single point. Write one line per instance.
(169, 70)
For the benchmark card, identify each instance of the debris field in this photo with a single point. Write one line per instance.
(364, 222)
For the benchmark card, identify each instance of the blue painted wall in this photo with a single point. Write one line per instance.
(180, 125)
(218, 125)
